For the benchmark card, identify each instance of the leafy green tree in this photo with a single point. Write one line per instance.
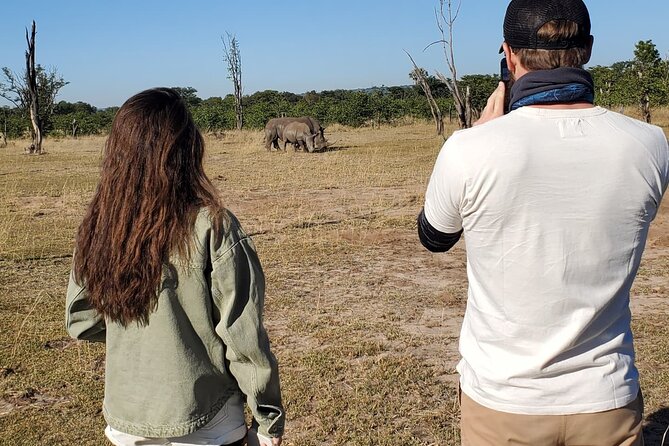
(615, 85)
(402, 93)
(189, 95)
(481, 87)
(33, 92)
(310, 97)
(649, 79)
(264, 105)
(215, 114)
(604, 79)
(355, 110)
(14, 88)
(314, 105)
(64, 108)
(381, 108)
(14, 123)
(437, 87)
(80, 118)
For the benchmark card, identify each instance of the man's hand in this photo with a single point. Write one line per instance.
(495, 106)
(255, 439)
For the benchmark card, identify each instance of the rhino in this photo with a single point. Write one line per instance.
(301, 135)
(275, 127)
(274, 131)
(314, 124)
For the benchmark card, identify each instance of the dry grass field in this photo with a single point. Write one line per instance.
(363, 320)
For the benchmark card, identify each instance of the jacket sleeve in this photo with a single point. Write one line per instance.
(238, 289)
(82, 321)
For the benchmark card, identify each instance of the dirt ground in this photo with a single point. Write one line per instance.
(363, 320)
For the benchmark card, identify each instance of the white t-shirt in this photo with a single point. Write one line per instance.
(555, 207)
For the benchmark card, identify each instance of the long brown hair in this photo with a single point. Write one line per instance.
(152, 185)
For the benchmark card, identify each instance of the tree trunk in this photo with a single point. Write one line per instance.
(468, 108)
(434, 108)
(645, 108)
(237, 79)
(462, 102)
(420, 80)
(31, 83)
(75, 127)
(460, 112)
(3, 138)
(239, 112)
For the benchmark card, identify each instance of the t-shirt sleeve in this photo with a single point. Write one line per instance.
(664, 157)
(446, 190)
(659, 149)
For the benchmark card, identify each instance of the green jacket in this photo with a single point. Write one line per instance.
(204, 342)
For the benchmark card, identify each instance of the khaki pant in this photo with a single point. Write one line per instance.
(480, 426)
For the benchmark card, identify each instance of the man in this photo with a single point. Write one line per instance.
(555, 199)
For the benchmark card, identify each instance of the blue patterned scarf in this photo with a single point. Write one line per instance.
(561, 85)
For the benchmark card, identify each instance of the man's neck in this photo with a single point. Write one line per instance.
(521, 71)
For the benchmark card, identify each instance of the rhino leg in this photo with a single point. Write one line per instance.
(268, 141)
(272, 143)
(271, 136)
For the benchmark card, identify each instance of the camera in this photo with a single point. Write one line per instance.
(505, 76)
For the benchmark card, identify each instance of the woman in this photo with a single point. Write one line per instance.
(169, 280)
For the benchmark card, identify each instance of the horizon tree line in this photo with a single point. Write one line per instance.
(642, 82)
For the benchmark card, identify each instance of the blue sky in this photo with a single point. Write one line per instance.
(109, 50)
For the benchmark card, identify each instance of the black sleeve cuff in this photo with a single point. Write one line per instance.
(433, 239)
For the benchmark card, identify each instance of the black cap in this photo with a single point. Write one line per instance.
(524, 18)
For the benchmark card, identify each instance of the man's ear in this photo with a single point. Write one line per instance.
(591, 42)
(516, 67)
(510, 61)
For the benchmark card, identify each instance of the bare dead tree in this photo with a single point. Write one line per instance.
(419, 76)
(75, 127)
(32, 98)
(33, 93)
(446, 18)
(233, 57)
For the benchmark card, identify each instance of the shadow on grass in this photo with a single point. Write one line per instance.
(326, 149)
(656, 425)
(333, 149)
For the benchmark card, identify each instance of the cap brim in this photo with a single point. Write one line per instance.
(501, 48)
